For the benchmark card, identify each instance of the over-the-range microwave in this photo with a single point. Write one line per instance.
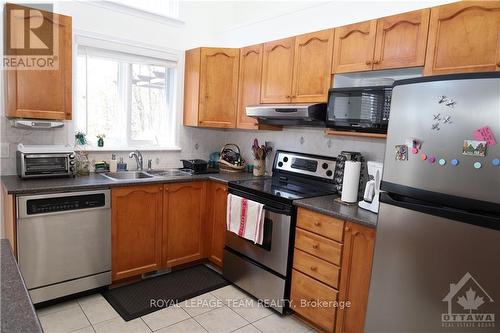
(364, 109)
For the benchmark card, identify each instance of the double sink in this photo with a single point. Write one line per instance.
(131, 175)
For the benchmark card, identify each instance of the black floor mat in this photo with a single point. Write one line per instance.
(140, 298)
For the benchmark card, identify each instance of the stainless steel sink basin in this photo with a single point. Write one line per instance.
(131, 175)
(127, 175)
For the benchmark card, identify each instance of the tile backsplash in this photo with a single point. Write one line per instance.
(199, 143)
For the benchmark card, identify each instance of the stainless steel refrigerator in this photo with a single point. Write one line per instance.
(437, 253)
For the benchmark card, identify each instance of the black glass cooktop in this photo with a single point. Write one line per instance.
(273, 187)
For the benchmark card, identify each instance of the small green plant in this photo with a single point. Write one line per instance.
(81, 138)
(100, 140)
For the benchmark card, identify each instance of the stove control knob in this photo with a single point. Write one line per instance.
(325, 166)
(280, 164)
(329, 173)
(285, 159)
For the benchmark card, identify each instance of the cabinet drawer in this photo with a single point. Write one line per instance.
(313, 300)
(318, 246)
(316, 268)
(320, 224)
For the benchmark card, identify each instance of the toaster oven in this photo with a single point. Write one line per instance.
(363, 109)
(34, 161)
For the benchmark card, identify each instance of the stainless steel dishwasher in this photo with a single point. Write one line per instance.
(64, 242)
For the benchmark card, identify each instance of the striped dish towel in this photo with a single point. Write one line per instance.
(245, 218)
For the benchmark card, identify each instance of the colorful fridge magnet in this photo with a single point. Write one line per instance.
(477, 165)
(485, 134)
(454, 162)
(431, 159)
(442, 162)
(447, 120)
(414, 145)
(401, 152)
(474, 148)
(495, 162)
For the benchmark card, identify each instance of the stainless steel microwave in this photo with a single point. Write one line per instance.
(364, 109)
(35, 161)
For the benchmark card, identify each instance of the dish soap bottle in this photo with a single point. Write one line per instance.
(113, 164)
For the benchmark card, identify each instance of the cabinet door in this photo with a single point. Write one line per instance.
(353, 47)
(218, 198)
(191, 87)
(464, 37)
(184, 209)
(355, 276)
(218, 87)
(249, 84)
(401, 40)
(277, 71)
(311, 66)
(41, 94)
(136, 230)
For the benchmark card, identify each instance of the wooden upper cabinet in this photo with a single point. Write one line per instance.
(218, 203)
(355, 274)
(249, 84)
(41, 94)
(211, 87)
(311, 68)
(277, 71)
(401, 40)
(464, 37)
(184, 210)
(353, 47)
(218, 87)
(136, 230)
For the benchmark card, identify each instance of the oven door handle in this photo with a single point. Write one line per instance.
(277, 210)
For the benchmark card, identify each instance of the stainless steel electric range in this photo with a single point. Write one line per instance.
(264, 271)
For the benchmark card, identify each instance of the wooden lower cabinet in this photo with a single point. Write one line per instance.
(331, 265)
(136, 230)
(313, 300)
(217, 201)
(359, 243)
(183, 218)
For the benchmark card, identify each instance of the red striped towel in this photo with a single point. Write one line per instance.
(245, 218)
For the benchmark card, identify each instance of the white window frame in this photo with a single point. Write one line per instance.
(170, 58)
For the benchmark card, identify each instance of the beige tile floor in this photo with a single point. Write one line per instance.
(223, 310)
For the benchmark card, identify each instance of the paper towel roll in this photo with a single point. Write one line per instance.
(350, 182)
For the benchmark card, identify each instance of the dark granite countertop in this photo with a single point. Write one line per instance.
(328, 206)
(16, 185)
(17, 312)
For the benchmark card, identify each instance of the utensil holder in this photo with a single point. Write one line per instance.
(259, 168)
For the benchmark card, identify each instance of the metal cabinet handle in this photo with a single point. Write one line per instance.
(376, 62)
(315, 246)
(368, 62)
(317, 223)
(313, 268)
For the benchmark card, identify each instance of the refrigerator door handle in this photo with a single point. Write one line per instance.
(487, 220)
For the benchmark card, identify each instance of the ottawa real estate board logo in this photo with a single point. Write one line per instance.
(32, 37)
(469, 305)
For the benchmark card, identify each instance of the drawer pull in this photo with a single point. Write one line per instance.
(317, 223)
(315, 246)
(314, 268)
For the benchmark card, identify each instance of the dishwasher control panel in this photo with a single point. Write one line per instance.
(64, 203)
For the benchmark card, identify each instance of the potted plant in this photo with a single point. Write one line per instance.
(100, 140)
(81, 138)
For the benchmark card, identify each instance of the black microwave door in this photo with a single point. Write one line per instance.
(357, 110)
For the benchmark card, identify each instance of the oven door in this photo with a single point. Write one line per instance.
(273, 253)
(45, 164)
